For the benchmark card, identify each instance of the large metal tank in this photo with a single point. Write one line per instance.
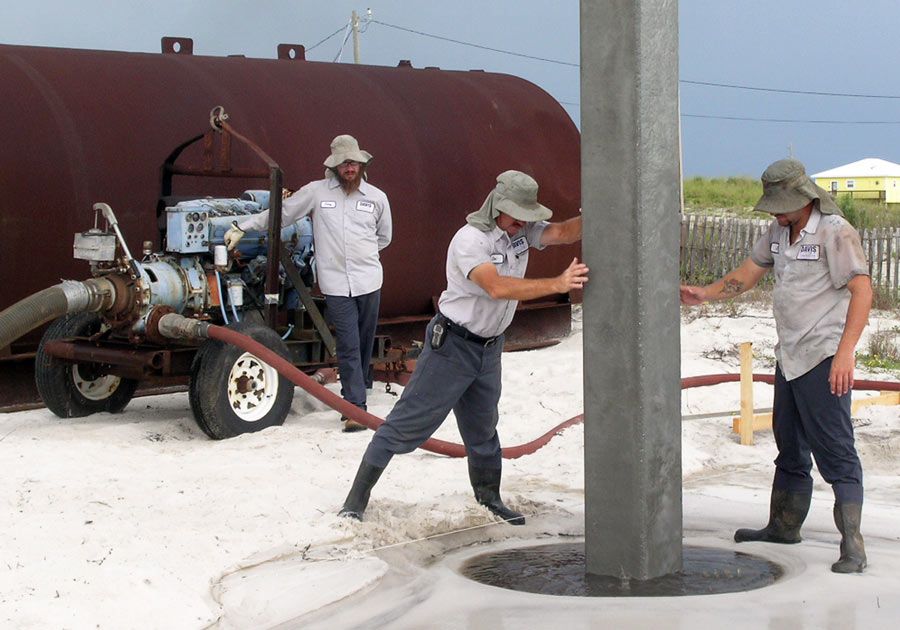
(82, 126)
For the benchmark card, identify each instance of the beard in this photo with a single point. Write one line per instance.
(351, 185)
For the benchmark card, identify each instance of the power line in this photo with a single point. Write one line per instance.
(784, 91)
(793, 120)
(322, 41)
(456, 41)
(776, 120)
(340, 52)
(733, 86)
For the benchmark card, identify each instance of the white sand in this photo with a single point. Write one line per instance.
(137, 520)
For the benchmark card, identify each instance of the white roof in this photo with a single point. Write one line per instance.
(869, 167)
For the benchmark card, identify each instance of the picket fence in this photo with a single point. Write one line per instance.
(712, 246)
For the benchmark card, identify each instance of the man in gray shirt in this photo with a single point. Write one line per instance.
(821, 302)
(459, 368)
(351, 225)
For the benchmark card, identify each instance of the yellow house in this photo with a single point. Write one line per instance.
(871, 178)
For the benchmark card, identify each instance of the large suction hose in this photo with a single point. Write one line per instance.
(173, 325)
(70, 296)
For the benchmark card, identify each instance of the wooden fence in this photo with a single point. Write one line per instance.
(712, 246)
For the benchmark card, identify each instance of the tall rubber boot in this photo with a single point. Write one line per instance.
(356, 502)
(486, 483)
(787, 511)
(847, 517)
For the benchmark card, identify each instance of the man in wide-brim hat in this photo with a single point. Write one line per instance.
(351, 225)
(821, 301)
(459, 368)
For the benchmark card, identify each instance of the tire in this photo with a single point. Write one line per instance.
(72, 390)
(224, 403)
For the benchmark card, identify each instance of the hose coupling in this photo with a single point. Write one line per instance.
(175, 326)
(92, 295)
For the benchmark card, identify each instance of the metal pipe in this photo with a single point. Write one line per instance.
(86, 352)
(221, 297)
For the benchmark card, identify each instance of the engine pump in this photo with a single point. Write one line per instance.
(194, 275)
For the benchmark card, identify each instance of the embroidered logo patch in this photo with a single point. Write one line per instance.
(328, 204)
(773, 247)
(365, 206)
(497, 259)
(808, 252)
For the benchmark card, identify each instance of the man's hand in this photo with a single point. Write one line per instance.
(573, 277)
(692, 296)
(233, 236)
(840, 379)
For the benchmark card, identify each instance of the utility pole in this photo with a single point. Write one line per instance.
(630, 194)
(354, 24)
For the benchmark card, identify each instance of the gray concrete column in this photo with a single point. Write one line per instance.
(630, 187)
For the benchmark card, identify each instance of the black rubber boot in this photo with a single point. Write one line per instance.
(847, 517)
(787, 511)
(486, 483)
(356, 502)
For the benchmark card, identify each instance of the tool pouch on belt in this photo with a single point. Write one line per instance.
(438, 334)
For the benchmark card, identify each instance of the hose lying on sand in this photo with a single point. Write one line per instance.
(441, 447)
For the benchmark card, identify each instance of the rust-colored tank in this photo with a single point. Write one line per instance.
(82, 126)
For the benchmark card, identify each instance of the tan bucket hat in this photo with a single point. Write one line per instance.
(345, 148)
(787, 188)
(516, 195)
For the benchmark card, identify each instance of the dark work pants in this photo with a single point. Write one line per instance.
(354, 320)
(460, 375)
(808, 419)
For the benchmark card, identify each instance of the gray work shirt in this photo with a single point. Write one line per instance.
(811, 296)
(348, 231)
(466, 303)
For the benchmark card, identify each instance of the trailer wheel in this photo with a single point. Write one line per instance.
(73, 390)
(233, 392)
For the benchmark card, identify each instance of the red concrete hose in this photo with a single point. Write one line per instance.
(450, 449)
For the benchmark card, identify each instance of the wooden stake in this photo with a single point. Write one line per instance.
(746, 393)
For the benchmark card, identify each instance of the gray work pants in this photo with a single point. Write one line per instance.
(354, 319)
(460, 375)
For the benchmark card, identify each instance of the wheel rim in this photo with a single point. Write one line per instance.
(252, 388)
(99, 388)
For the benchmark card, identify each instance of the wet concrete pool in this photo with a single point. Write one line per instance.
(559, 569)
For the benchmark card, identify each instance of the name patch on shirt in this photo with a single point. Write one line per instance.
(328, 204)
(497, 259)
(808, 252)
(365, 206)
(773, 248)
(520, 245)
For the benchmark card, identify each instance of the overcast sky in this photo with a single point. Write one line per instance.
(802, 45)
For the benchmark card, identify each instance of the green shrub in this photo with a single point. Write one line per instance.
(883, 350)
(721, 192)
(736, 196)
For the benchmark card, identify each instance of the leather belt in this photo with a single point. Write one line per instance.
(461, 331)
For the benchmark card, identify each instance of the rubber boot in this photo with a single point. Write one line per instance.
(356, 502)
(787, 511)
(847, 517)
(486, 483)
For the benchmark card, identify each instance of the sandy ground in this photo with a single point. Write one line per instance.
(137, 520)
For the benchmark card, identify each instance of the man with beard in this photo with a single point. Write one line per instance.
(351, 225)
